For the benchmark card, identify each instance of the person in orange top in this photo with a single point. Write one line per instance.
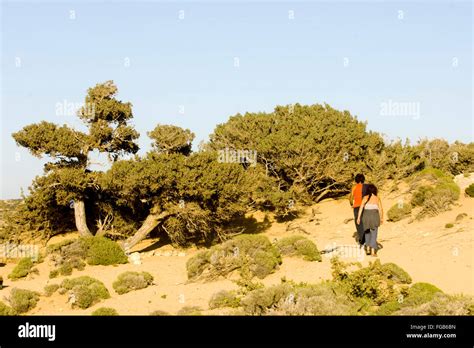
(355, 198)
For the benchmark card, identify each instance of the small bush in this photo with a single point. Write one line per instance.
(86, 291)
(71, 254)
(461, 216)
(449, 225)
(470, 190)
(420, 293)
(159, 313)
(105, 311)
(103, 251)
(224, 298)
(375, 283)
(442, 304)
(437, 196)
(189, 310)
(130, 281)
(246, 253)
(396, 273)
(6, 310)
(50, 289)
(399, 211)
(53, 274)
(23, 300)
(299, 245)
(22, 269)
(327, 298)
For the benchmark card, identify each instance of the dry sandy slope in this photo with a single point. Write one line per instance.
(427, 250)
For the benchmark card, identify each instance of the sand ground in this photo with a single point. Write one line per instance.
(426, 249)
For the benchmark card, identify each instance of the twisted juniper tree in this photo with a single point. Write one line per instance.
(191, 197)
(67, 175)
(310, 150)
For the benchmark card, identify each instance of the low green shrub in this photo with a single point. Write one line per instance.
(6, 310)
(105, 311)
(416, 295)
(299, 245)
(470, 190)
(327, 298)
(399, 211)
(190, 310)
(245, 253)
(395, 273)
(86, 291)
(22, 269)
(54, 273)
(71, 254)
(224, 298)
(130, 281)
(50, 289)
(159, 313)
(420, 293)
(103, 251)
(375, 282)
(436, 196)
(22, 300)
(442, 304)
(449, 225)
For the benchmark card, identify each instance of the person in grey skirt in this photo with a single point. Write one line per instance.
(371, 216)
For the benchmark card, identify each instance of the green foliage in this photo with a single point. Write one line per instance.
(470, 190)
(224, 298)
(453, 158)
(399, 211)
(442, 304)
(171, 139)
(393, 272)
(299, 245)
(449, 225)
(130, 281)
(103, 251)
(437, 195)
(22, 300)
(311, 150)
(86, 291)
(50, 289)
(247, 253)
(71, 254)
(6, 310)
(66, 175)
(193, 199)
(375, 283)
(327, 298)
(105, 311)
(22, 269)
(420, 293)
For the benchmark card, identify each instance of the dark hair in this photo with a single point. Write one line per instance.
(371, 189)
(360, 178)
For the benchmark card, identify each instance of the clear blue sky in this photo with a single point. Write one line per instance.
(425, 57)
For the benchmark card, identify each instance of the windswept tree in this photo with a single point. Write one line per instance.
(68, 179)
(190, 197)
(312, 151)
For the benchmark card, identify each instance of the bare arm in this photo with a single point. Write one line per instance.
(379, 201)
(364, 199)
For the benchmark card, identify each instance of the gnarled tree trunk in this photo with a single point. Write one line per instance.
(80, 217)
(148, 225)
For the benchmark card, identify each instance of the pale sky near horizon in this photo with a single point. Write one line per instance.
(195, 63)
